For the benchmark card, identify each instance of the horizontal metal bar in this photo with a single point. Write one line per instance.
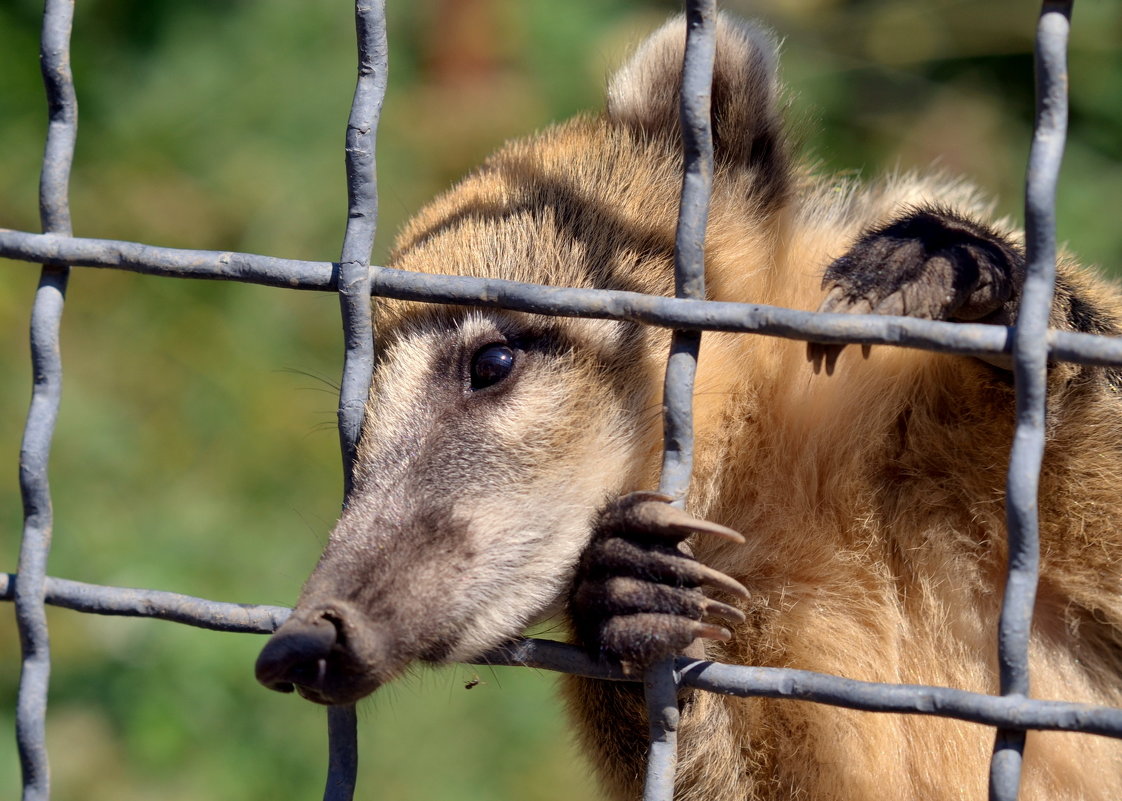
(803, 685)
(992, 710)
(561, 657)
(135, 257)
(556, 656)
(966, 339)
(103, 600)
(1091, 349)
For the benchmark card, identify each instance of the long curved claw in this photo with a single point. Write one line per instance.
(712, 608)
(618, 556)
(641, 639)
(650, 513)
(709, 577)
(682, 523)
(710, 632)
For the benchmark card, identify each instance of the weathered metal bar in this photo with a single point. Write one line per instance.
(136, 257)
(660, 681)
(1068, 346)
(355, 307)
(38, 522)
(823, 688)
(46, 361)
(966, 339)
(550, 655)
(556, 656)
(1030, 371)
(362, 219)
(989, 710)
(342, 753)
(130, 602)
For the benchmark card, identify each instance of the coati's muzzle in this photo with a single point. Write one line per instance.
(326, 654)
(369, 608)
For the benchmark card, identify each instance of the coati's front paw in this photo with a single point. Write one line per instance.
(932, 264)
(637, 594)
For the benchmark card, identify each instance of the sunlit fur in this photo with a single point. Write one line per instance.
(872, 499)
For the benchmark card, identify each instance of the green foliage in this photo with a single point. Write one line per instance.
(195, 450)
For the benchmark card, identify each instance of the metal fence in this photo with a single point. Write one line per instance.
(1030, 343)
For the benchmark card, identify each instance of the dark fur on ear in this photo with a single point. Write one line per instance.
(745, 107)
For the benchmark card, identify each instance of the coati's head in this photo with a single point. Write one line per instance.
(492, 438)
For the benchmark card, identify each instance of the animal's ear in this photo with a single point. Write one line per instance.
(747, 124)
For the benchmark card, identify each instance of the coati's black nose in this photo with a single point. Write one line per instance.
(297, 654)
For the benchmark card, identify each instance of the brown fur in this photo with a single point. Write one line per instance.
(872, 499)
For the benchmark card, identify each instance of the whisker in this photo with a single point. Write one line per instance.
(333, 385)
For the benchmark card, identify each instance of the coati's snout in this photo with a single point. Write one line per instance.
(388, 590)
(326, 654)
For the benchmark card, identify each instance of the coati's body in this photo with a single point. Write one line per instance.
(871, 499)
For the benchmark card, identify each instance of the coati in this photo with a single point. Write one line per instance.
(504, 455)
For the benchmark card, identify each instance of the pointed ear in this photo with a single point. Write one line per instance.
(745, 106)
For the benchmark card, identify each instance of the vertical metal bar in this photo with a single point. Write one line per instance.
(1030, 356)
(46, 316)
(660, 681)
(342, 753)
(362, 221)
(358, 333)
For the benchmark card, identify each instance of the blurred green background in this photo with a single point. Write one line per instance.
(195, 450)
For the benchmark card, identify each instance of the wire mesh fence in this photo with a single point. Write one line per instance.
(1030, 344)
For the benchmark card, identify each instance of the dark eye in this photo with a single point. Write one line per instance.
(490, 365)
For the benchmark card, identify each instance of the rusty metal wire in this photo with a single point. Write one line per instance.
(1030, 344)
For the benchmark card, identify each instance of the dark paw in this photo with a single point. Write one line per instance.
(637, 594)
(931, 264)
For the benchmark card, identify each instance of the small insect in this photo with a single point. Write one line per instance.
(473, 682)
